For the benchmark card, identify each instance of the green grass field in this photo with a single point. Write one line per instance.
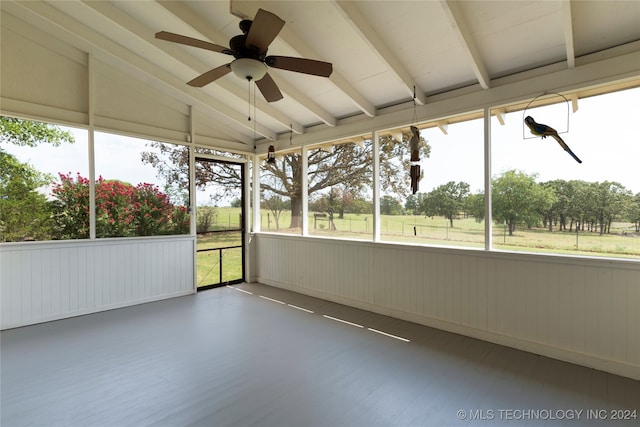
(622, 242)
(208, 261)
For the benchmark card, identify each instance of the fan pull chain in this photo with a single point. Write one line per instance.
(254, 110)
(249, 100)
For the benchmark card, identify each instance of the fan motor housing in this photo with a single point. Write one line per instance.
(240, 50)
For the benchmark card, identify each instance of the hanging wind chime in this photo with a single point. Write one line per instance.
(271, 154)
(414, 148)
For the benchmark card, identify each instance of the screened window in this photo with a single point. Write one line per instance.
(340, 189)
(544, 200)
(44, 194)
(281, 193)
(141, 187)
(395, 182)
(448, 207)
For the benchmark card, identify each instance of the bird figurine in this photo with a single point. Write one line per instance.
(545, 131)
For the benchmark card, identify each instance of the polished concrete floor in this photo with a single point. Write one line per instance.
(252, 355)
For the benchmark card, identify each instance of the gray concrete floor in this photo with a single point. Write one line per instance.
(226, 357)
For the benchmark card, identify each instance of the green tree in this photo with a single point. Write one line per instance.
(30, 133)
(550, 210)
(411, 204)
(518, 199)
(446, 200)
(361, 206)
(345, 201)
(276, 205)
(474, 206)
(560, 211)
(634, 212)
(205, 217)
(578, 201)
(609, 201)
(321, 204)
(24, 211)
(390, 206)
(346, 165)
(338, 200)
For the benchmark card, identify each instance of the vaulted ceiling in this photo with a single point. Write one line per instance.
(386, 55)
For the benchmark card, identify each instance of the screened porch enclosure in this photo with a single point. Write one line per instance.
(97, 67)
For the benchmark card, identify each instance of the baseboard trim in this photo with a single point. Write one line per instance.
(13, 325)
(542, 349)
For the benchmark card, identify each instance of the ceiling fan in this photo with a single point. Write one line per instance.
(250, 52)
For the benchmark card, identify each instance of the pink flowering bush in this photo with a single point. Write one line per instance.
(71, 207)
(114, 209)
(122, 210)
(151, 209)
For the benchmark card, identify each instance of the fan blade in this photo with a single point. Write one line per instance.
(300, 65)
(189, 41)
(210, 76)
(269, 88)
(264, 29)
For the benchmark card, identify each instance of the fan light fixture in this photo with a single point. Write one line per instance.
(250, 69)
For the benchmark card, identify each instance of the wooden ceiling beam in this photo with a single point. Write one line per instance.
(302, 49)
(568, 33)
(379, 47)
(454, 13)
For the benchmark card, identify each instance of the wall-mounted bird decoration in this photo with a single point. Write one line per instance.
(414, 148)
(545, 131)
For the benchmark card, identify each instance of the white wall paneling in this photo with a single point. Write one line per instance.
(582, 310)
(44, 281)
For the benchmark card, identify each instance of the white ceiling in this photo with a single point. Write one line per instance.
(382, 51)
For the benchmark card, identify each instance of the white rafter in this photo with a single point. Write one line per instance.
(444, 127)
(128, 59)
(303, 50)
(322, 114)
(500, 114)
(377, 45)
(453, 12)
(568, 33)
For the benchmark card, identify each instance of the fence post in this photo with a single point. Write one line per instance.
(220, 264)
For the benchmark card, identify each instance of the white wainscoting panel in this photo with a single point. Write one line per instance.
(42, 281)
(581, 310)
